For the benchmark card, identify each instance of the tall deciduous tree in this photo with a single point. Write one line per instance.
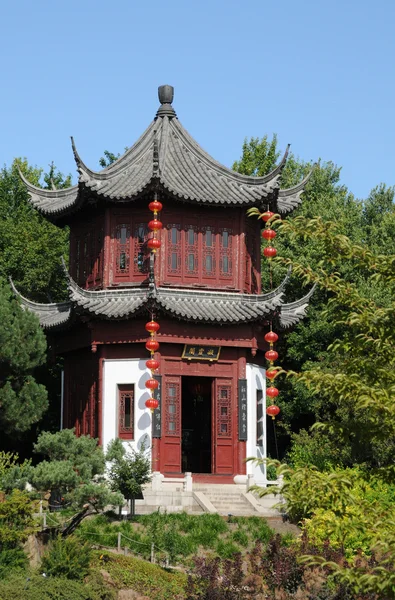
(364, 222)
(30, 246)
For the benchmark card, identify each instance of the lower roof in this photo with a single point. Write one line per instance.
(209, 307)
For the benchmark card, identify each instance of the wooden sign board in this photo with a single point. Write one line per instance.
(196, 352)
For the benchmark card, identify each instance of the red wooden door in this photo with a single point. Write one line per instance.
(222, 427)
(171, 455)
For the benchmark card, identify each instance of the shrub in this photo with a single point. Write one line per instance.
(16, 520)
(67, 558)
(20, 587)
(13, 559)
(227, 549)
(143, 577)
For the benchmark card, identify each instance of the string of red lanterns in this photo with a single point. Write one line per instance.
(152, 345)
(272, 392)
(271, 337)
(269, 234)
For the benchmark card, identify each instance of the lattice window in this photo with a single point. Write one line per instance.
(209, 240)
(122, 249)
(99, 254)
(141, 256)
(259, 418)
(126, 411)
(224, 421)
(225, 257)
(174, 249)
(172, 416)
(77, 259)
(191, 251)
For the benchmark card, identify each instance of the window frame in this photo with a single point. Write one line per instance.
(124, 389)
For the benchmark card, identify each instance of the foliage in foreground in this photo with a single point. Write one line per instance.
(37, 587)
(270, 573)
(354, 511)
(68, 558)
(141, 576)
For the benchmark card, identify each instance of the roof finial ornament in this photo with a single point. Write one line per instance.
(166, 95)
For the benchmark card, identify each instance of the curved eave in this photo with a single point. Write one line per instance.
(293, 312)
(246, 180)
(197, 306)
(51, 316)
(51, 202)
(110, 304)
(290, 198)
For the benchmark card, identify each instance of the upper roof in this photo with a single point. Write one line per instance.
(167, 157)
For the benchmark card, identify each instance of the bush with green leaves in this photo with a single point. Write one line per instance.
(37, 587)
(128, 572)
(16, 524)
(16, 520)
(129, 469)
(67, 558)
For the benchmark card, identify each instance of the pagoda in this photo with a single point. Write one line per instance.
(203, 286)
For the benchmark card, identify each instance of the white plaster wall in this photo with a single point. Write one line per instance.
(256, 380)
(116, 372)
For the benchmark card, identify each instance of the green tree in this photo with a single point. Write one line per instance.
(259, 156)
(31, 246)
(129, 470)
(74, 471)
(22, 348)
(109, 158)
(368, 222)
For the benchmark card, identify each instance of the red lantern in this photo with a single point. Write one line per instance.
(267, 215)
(152, 364)
(152, 326)
(271, 374)
(153, 244)
(272, 392)
(155, 225)
(271, 337)
(271, 355)
(152, 345)
(272, 411)
(151, 384)
(151, 403)
(269, 234)
(155, 206)
(269, 252)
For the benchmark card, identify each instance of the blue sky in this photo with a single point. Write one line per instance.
(319, 74)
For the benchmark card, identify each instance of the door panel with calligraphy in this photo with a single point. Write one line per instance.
(171, 426)
(223, 434)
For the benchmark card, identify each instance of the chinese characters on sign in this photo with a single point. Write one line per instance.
(243, 410)
(201, 352)
(157, 415)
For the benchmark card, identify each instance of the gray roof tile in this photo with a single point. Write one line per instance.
(166, 153)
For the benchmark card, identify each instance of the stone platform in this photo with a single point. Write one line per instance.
(184, 495)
